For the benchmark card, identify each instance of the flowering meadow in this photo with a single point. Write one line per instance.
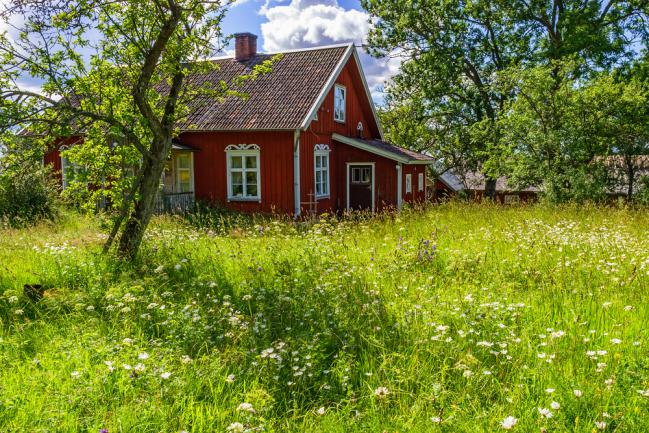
(459, 318)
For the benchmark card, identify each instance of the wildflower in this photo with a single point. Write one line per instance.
(467, 373)
(609, 382)
(235, 427)
(143, 356)
(508, 423)
(127, 341)
(381, 392)
(103, 430)
(549, 390)
(601, 425)
(546, 413)
(166, 375)
(90, 308)
(139, 367)
(19, 312)
(159, 269)
(616, 340)
(109, 364)
(185, 359)
(436, 419)
(246, 407)
(644, 392)
(555, 405)
(178, 267)
(230, 378)
(75, 374)
(577, 393)
(13, 299)
(321, 411)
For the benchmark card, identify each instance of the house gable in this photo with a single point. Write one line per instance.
(359, 104)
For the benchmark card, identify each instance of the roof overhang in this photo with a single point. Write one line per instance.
(351, 51)
(376, 151)
(179, 147)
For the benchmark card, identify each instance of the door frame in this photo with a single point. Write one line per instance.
(372, 164)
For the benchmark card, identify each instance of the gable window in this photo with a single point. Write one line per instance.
(340, 98)
(361, 175)
(408, 183)
(321, 171)
(244, 180)
(420, 182)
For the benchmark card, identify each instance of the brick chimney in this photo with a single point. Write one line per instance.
(245, 46)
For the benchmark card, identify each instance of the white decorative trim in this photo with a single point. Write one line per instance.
(321, 148)
(242, 147)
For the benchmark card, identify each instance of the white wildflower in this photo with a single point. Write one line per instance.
(381, 392)
(508, 423)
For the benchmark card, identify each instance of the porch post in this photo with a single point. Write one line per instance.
(399, 195)
(296, 172)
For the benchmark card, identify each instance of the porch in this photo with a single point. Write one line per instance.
(177, 192)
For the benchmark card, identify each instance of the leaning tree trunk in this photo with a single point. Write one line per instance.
(131, 238)
(490, 188)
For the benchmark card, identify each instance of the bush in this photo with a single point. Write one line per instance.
(27, 194)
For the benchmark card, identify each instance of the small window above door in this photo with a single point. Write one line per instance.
(361, 175)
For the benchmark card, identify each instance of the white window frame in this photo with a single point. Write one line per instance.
(190, 169)
(338, 87)
(420, 182)
(65, 164)
(322, 151)
(409, 183)
(243, 150)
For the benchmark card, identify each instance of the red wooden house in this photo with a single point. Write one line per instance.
(307, 137)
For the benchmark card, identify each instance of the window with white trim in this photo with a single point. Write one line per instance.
(321, 170)
(408, 183)
(184, 172)
(420, 182)
(340, 98)
(244, 180)
(71, 171)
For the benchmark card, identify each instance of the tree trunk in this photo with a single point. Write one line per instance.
(131, 238)
(630, 172)
(490, 188)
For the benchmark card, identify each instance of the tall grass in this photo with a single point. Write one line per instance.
(447, 319)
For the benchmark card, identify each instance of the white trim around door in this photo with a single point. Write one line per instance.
(372, 164)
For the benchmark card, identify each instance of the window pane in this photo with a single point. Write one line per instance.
(237, 178)
(235, 162)
(237, 190)
(251, 177)
(251, 162)
(318, 176)
(318, 188)
(318, 161)
(252, 190)
(325, 161)
(183, 161)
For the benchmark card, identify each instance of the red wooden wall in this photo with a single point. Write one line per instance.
(276, 168)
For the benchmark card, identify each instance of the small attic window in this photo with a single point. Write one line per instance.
(340, 97)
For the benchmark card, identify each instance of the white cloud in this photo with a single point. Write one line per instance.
(309, 23)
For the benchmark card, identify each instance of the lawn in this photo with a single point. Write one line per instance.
(460, 318)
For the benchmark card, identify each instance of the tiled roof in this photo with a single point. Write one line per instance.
(386, 149)
(279, 100)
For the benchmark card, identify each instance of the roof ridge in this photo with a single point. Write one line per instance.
(296, 50)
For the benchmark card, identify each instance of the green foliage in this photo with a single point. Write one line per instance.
(450, 319)
(28, 192)
(454, 94)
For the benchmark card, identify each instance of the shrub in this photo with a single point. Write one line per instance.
(27, 194)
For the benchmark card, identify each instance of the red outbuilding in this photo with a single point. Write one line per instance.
(306, 138)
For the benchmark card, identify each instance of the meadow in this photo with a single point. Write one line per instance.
(457, 318)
